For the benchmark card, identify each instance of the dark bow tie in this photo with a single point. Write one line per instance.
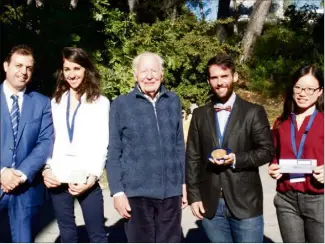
(218, 108)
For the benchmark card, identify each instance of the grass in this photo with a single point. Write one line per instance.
(273, 106)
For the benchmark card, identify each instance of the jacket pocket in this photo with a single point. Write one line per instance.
(250, 179)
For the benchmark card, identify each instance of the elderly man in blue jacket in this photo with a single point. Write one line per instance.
(146, 154)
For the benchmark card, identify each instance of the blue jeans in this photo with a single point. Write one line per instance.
(223, 227)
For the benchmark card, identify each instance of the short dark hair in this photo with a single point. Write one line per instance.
(20, 49)
(222, 60)
(91, 82)
(289, 104)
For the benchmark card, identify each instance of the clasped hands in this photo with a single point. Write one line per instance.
(226, 160)
(74, 189)
(10, 179)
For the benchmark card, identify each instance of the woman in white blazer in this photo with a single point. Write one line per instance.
(80, 117)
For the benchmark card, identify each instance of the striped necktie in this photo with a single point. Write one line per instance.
(14, 116)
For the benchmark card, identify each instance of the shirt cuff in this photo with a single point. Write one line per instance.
(234, 163)
(118, 194)
(23, 176)
(3, 169)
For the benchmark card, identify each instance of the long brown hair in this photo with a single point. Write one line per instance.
(91, 82)
(289, 105)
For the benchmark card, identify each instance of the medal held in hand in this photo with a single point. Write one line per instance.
(219, 153)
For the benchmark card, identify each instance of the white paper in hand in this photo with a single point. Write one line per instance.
(69, 169)
(297, 166)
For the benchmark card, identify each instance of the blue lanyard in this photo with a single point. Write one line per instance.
(220, 136)
(303, 139)
(71, 127)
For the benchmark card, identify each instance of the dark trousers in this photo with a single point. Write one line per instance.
(300, 216)
(92, 207)
(154, 220)
(21, 218)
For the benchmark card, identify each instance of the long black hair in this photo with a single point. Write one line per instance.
(289, 105)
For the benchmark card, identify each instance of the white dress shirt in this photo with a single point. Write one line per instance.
(8, 93)
(88, 150)
(223, 115)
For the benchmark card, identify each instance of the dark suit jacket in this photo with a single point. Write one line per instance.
(34, 144)
(248, 135)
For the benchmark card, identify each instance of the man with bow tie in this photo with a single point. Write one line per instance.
(226, 193)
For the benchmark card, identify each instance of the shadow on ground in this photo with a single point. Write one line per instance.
(115, 232)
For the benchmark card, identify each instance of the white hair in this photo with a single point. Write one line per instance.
(137, 59)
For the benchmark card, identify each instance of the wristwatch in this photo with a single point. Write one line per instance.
(47, 166)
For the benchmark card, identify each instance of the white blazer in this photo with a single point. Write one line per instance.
(90, 138)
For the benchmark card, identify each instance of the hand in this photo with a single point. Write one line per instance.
(229, 159)
(274, 171)
(122, 206)
(10, 179)
(226, 160)
(49, 179)
(319, 174)
(184, 197)
(197, 209)
(78, 189)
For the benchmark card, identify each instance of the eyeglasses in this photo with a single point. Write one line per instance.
(308, 90)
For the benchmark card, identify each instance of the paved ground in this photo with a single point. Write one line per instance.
(192, 229)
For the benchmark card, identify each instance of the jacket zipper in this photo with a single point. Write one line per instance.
(155, 111)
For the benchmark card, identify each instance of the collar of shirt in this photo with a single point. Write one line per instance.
(224, 115)
(230, 101)
(8, 93)
(148, 97)
(82, 98)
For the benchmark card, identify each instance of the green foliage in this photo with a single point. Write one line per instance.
(185, 44)
(283, 48)
(113, 37)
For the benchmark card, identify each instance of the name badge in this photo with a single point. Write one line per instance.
(297, 168)
(70, 150)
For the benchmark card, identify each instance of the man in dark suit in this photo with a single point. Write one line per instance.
(26, 142)
(226, 192)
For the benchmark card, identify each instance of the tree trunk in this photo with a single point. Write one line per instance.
(73, 4)
(131, 4)
(223, 13)
(224, 9)
(174, 13)
(236, 16)
(39, 3)
(255, 27)
(170, 7)
(201, 10)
